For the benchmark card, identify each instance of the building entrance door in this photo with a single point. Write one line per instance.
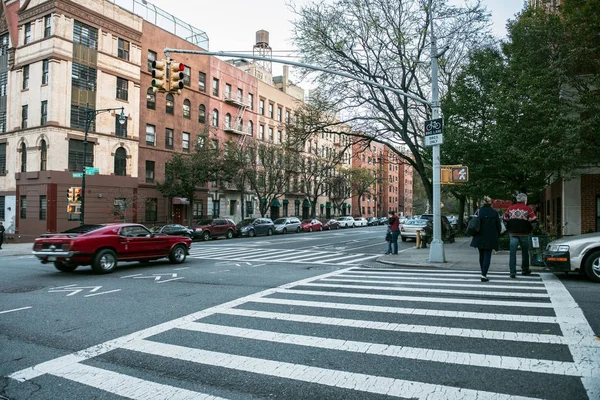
(178, 214)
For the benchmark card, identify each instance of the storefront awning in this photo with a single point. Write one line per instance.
(306, 203)
(328, 205)
(275, 203)
(296, 201)
(286, 202)
(180, 200)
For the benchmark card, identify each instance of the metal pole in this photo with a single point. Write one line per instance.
(436, 250)
(85, 143)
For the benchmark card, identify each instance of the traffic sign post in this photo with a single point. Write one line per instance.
(434, 132)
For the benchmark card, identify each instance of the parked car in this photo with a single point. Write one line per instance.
(372, 221)
(448, 232)
(256, 226)
(575, 253)
(207, 229)
(330, 224)
(360, 221)
(383, 221)
(103, 246)
(285, 225)
(312, 224)
(409, 229)
(173, 230)
(346, 222)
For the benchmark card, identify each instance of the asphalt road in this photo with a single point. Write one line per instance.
(298, 316)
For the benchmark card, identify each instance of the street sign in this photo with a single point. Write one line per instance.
(77, 174)
(91, 170)
(460, 174)
(433, 132)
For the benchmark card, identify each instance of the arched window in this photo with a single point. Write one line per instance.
(186, 109)
(202, 113)
(150, 99)
(23, 157)
(43, 155)
(120, 162)
(227, 121)
(215, 118)
(250, 128)
(170, 106)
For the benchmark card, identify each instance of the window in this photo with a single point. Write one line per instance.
(215, 87)
(598, 214)
(150, 135)
(227, 91)
(227, 121)
(215, 118)
(198, 210)
(287, 117)
(120, 128)
(279, 112)
(3, 83)
(202, 81)
(47, 25)
(271, 110)
(43, 208)
(25, 77)
(150, 99)
(76, 155)
(23, 157)
(214, 145)
(279, 137)
(185, 144)
(24, 116)
(45, 68)
(169, 138)
(27, 29)
(120, 162)
(43, 155)
(240, 95)
(261, 107)
(85, 35)
(170, 104)
(2, 205)
(149, 171)
(151, 59)
(186, 109)
(261, 132)
(201, 141)
(202, 113)
(83, 77)
(271, 134)
(216, 209)
(151, 210)
(187, 72)
(250, 128)
(3, 159)
(23, 207)
(123, 52)
(122, 89)
(44, 112)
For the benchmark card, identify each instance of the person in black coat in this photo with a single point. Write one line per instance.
(487, 238)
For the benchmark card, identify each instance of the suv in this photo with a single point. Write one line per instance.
(285, 225)
(448, 232)
(212, 228)
(255, 226)
(346, 222)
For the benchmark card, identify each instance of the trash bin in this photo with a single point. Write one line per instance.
(537, 244)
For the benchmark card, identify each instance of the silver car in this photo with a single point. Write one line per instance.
(346, 222)
(410, 227)
(285, 225)
(575, 253)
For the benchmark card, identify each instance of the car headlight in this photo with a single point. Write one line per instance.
(557, 247)
(198, 229)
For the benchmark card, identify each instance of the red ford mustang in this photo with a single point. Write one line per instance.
(102, 246)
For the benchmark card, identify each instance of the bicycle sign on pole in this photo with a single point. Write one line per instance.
(433, 132)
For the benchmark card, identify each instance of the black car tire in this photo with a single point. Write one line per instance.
(337, 227)
(403, 238)
(62, 267)
(104, 261)
(229, 234)
(206, 235)
(592, 266)
(251, 233)
(177, 254)
(269, 232)
(298, 230)
(310, 229)
(284, 230)
(321, 228)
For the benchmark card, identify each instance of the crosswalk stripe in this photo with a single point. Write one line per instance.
(395, 327)
(446, 273)
(358, 260)
(413, 353)
(280, 253)
(342, 278)
(354, 274)
(126, 386)
(410, 311)
(338, 257)
(449, 300)
(322, 376)
(449, 291)
(300, 256)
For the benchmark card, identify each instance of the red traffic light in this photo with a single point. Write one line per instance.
(177, 67)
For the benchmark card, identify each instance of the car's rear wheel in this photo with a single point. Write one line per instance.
(284, 230)
(310, 229)
(592, 266)
(177, 254)
(269, 232)
(404, 238)
(251, 233)
(62, 267)
(206, 235)
(320, 228)
(337, 227)
(298, 230)
(104, 261)
(229, 234)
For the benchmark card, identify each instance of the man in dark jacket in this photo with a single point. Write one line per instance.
(487, 239)
(519, 219)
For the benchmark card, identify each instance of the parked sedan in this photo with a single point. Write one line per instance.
(173, 230)
(346, 222)
(372, 221)
(409, 228)
(285, 225)
(576, 253)
(360, 221)
(383, 221)
(256, 226)
(330, 224)
(309, 225)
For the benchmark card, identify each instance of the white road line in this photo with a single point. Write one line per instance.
(395, 327)
(131, 276)
(321, 376)
(396, 282)
(411, 311)
(446, 273)
(338, 257)
(413, 353)
(466, 278)
(169, 280)
(102, 348)
(449, 291)
(449, 300)
(98, 294)
(124, 385)
(583, 345)
(15, 309)
(216, 272)
(179, 269)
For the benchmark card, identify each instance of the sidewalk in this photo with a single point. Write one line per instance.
(16, 249)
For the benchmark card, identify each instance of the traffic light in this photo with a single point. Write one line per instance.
(78, 194)
(70, 194)
(176, 79)
(159, 73)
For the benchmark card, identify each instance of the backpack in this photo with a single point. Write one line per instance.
(474, 226)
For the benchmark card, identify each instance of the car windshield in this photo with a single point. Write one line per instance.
(84, 229)
(246, 222)
(416, 222)
(341, 218)
(307, 221)
(204, 222)
(279, 221)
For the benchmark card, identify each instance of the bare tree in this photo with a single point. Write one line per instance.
(122, 203)
(361, 182)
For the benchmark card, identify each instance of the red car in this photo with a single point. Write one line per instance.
(102, 246)
(212, 228)
(310, 225)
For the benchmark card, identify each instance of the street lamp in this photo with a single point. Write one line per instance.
(90, 115)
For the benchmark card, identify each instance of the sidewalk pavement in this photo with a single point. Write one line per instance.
(16, 249)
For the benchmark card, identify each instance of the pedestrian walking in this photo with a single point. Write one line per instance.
(519, 219)
(394, 227)
(1, 234)
(487, 239)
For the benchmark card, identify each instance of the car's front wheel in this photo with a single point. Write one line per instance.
(177, 254)
(206, 235)
(310, 229)
(251, 233)
(298, 230)
(104, 261)
(229, 234)
(592, 266)
(269, 232)
(284, 231)
(403, 238)
(62, 267)
(320, 228)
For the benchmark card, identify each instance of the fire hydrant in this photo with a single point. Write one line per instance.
(421, 243)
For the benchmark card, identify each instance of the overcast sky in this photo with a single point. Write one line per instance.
(231, 25)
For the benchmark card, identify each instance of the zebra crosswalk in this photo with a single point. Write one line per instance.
(358, 333)
(293, 256)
